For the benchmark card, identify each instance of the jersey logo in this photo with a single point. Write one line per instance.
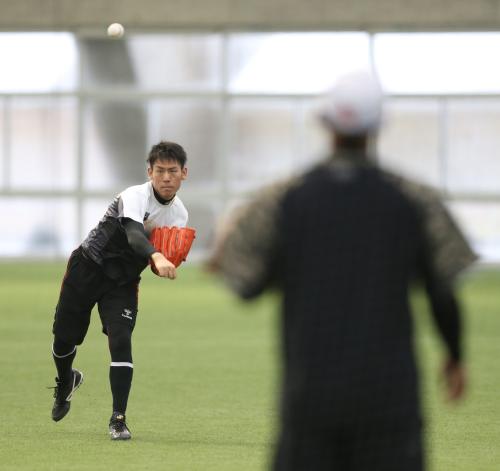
(127, 313)
(145, 217)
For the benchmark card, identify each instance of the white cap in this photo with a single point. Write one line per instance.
(354, 104)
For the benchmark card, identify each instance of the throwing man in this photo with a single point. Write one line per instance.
(105, 270)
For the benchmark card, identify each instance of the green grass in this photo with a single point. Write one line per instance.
(205, 380)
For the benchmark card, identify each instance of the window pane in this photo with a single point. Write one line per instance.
(43, 143)
(194, 124)
(481, 224)
(38, 227)
(293, 62)
(409, 140)
(474, 146)
(438, 62)
(38, 62)
(92, 212)
(3, 157)
(201, 218)
(315, 141)
(115, 145)
(119, 135)
(154, 61)
(261, 146)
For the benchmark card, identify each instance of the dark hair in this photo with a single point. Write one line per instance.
(166, 150)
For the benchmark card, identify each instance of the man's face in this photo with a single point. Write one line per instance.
(166, 177)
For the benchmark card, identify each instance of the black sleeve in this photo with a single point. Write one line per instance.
(446, 314)
(444, 305)
(137, 239)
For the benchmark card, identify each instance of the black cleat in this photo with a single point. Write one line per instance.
(63, 395)
(118, 429)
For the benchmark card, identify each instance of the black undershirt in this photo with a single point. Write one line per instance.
(137, 239)
(160, 199)
(445, 309)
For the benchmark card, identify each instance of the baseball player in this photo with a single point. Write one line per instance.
(105, 270)
(343, 243)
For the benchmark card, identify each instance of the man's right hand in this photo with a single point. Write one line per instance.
(455, 380)
(162, 267)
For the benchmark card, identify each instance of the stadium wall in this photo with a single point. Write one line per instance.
(387, 15)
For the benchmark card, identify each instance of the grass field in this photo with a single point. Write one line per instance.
(204, 388)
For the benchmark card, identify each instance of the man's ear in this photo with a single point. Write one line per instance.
(184, 173)
(150, 172)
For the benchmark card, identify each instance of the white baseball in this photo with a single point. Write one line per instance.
(115, 30)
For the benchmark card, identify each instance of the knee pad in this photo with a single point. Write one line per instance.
(61, 348)
(120, 342)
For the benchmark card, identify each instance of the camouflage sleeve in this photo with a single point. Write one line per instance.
(449, 248)
(450, 252)
(249, 242)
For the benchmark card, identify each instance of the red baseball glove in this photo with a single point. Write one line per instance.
(173, 242)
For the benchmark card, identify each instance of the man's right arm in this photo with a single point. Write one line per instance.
(140, 244)
(247, 246)
(445, 253)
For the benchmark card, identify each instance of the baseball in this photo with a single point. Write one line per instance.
(115, 30)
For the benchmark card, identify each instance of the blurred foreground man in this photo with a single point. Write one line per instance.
(343, 243)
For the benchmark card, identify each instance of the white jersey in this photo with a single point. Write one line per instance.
(140, 204)
(107, 244)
